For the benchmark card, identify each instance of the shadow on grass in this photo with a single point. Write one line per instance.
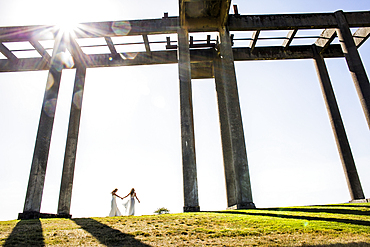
(351, 244)
(347, 206)
(26, 233)
(321, 210)
(107, 235)
(299, 217)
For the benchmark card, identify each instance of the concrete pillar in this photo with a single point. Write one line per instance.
(354, 63)
(41, 152)
(225, 135)
(336, 122)
(243, 189)
(191, 202)
(65, 194)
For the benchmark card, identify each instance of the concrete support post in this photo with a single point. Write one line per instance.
(336, 122)
(225, 134)
(191, 203)
(354, 63)
(65, 194)
(36, 180)
(243, 189)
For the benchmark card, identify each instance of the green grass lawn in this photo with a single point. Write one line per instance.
(328, 225)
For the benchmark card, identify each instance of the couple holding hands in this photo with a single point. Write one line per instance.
(129, 205)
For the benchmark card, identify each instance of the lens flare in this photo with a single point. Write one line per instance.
(50, 82)
(128, 55)
(77, 99)
(121, 27)
(63, 60)
(49, 107)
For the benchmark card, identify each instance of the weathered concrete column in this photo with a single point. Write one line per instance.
(336, 122)
(354, 63)
(36, 180)
(225, 134)
(239, 156)
(191, 202)
(65, 194)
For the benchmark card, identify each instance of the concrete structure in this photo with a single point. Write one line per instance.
(214, 60)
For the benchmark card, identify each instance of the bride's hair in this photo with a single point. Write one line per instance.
(114, 191)
(132, 191)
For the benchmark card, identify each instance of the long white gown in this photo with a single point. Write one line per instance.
(114, 211)
(130, 205)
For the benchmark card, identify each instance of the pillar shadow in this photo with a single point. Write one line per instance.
(347, 206)
(300, 217)
(107, 235)
(26, 233)
(321, 210)
(351, 244)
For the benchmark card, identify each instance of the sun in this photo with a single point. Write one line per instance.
(67, 27)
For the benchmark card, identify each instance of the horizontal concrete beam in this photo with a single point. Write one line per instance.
(170, 25)
(358, 19)
(92, 29)
(202, 70)
(170, 57)
(295, 21)
(279, 53)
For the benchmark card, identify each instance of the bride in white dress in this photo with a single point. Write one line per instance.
(130, 204)
(114, 211)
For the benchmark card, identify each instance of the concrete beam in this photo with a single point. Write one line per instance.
(41, 152)
(229, 169)
(289, 38)
(146, 43)
(326, 37)
(40, 49)
(191, 201)
(75, 50)
(26, 33)
(224, 13)
(354, 63)
(195, 12)
(93, 29)
(279, 53)
(6, 52)
(111, 47)
(202, 70)
(295, 21)
(357, 19)
(344, 149)
(128, 27)
(171, 24)
(361, 35)
(170, 57)
(65, 194)
(203, 24)
(243, 191)
(253, 42)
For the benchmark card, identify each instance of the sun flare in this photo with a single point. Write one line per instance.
(67, 27)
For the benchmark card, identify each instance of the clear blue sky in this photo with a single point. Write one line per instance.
(130, 123)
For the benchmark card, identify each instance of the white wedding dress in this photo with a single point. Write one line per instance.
(114, 211)
(130, 205)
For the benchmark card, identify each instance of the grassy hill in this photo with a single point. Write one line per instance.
(327, 225)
